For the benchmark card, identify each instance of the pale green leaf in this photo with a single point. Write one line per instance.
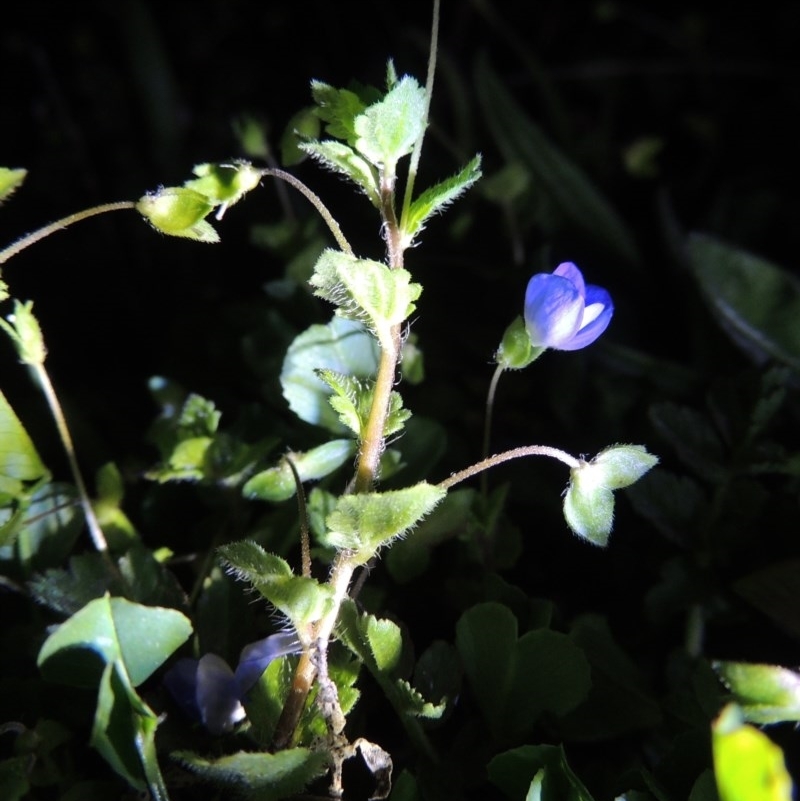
(765, 693)
(342, 347)
(341, 158)
(438, 197)
(387, 130)
(139, 637)
(19, 461)
(365, 522)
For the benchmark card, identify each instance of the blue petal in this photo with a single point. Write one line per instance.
(553, 310)
(256, 656)
(217, 696)
(597, 315)
(569, 271)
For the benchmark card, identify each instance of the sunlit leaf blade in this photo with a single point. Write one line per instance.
(569, 191)
(140, 638)
(338, 108)
(756, 302)
(10, 181)
(437, 198)
(19, 460)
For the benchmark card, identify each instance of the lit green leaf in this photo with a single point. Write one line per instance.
(437, 198)
(19, 461)
(765, 693)
(342, 347)
(341, 158)
(179, 211)
(259, 776)
(620, 466)
(302, 600)
(10, 181)
(366, 522)
(757, 303)
(140, 638)
(365, 291)
(124, 732)
(338, 108)
(278, 483)
(748, 766)
(387, 130)
(589, 508)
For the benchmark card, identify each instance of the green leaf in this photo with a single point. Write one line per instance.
(341, 158)
(516, 680)
(365, 291)
(514, 772)
(179, 211)
(302, 600)
(765, 693)
(566, 187)
(10, 181)
(366, 522)
(342, 347)
(259, 776)
(20, 464)
(756, 302)
(140, 638)
(67, 591)
(338, 108)
(748, 766)
(436, 199)
(278, 483)
(387, 130)
(124, 732)
(302, 126)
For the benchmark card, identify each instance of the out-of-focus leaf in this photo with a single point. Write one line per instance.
(756, 302)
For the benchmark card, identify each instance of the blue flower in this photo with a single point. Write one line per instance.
(564, 313)
(207, 690)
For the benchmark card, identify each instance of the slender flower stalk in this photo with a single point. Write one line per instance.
(65, 222)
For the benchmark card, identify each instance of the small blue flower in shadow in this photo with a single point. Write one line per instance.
(564, 313)
(207, 690)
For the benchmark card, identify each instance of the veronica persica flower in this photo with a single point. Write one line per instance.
(563, 312)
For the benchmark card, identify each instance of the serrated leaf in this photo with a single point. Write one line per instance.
(140, 638)
(342, 347)
(351, 398)
(436, 199)
(365, 291)
(757, 303)
(302, 600)
(387, 130)
(10, 181)
(259, 776)
(341, 158)
(366, 522)
(338, 108)
(567, 188)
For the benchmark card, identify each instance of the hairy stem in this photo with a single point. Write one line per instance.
(514, 453)
(487, 423)
(36, 236)
(313, 198)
